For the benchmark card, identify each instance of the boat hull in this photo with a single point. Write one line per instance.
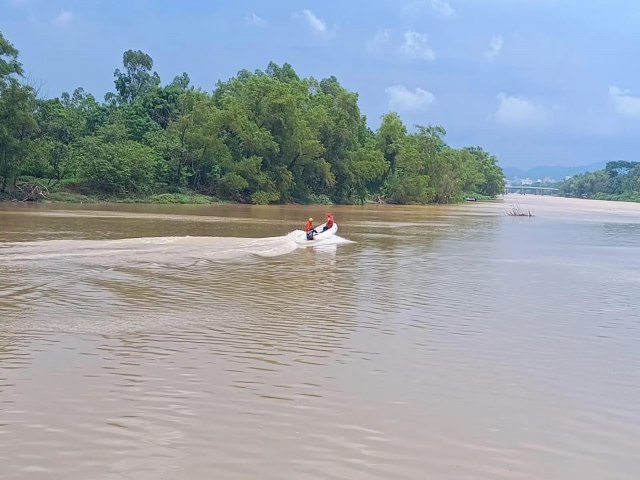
(321, 235)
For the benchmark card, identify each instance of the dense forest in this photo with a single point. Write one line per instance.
(618, 181)
(261, 137)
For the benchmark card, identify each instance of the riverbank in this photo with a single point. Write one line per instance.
(163, 198)
(38, 191)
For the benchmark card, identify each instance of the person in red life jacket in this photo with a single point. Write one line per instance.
(329, 223)
(309, 226)
(309, 230)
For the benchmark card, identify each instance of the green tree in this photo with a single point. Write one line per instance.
(619, 180)
(50, 150)
(364, 167)
(262, 137)
(9, 64)
(17, 123)
(137, 77)
(84, 113)
(390, 137)
(17, 103)
(273, 119)
(491, 182)
(111, 163)
(342, 131)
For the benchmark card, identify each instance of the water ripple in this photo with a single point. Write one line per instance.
(441, 344)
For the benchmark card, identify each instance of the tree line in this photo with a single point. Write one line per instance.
(619, 180)
(261, 137)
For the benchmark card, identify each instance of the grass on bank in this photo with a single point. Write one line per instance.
(175, 198)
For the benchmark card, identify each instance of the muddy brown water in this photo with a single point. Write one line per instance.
(205, 342)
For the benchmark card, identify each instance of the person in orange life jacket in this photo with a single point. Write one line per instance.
(329, 223)
(309, 230)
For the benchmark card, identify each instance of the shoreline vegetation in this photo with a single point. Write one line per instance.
(262, 137)
(618, 181)
(32, 190)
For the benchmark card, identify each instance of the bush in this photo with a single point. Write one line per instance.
(232, 185)
(318, 199)
(408, 189)
(180, 198)
(265, 198)
(118, 168)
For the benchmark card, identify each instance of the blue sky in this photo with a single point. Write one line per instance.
(536, 82)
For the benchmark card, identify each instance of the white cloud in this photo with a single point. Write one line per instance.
(440, 7)
(255, 20)
(494, 48)
(624, 104)
(416, 45)
(380, 39)
(63, 18)
(402, 99)
(317, 24)
(515, 111)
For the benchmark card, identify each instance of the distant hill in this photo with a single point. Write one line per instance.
(556, 172)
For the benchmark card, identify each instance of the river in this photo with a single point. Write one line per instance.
(203, 342)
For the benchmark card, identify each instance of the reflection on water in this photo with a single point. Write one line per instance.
(145, 342)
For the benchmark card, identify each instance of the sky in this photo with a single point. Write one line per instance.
(534, 82)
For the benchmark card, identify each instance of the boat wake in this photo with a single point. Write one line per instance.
(300, 238)
(161, 250)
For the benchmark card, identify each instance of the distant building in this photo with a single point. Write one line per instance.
(526, 181)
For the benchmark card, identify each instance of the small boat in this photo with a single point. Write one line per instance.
(322, 234)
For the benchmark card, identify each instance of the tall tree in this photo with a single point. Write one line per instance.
(17, 123)
(17, 103)
(9, 64)
(137, 77)
(262, 137)
(390, 137)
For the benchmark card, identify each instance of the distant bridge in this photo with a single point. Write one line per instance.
(531, 190)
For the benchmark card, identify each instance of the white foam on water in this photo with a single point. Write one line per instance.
(165, 250)
(300, 238)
